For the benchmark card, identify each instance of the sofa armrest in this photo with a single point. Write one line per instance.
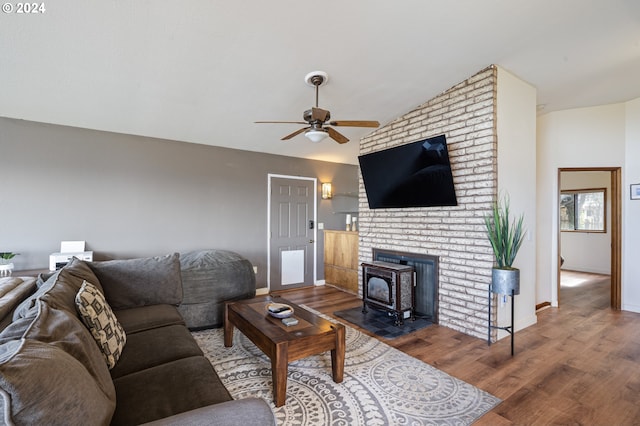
(243, 412)
(209, 278)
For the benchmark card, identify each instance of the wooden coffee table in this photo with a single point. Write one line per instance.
(281, 343)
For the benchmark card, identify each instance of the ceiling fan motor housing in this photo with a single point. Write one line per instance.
(308, 117)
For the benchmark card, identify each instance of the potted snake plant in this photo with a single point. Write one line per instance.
(6, 266)
(506, 236)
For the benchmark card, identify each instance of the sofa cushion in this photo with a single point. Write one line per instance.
(144, 318)
(66, 331)
(101, 322)
(153, 347)
(61, 289)
(140, 282)
(176, 387)
(42, 384)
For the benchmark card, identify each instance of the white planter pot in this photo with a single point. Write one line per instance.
(6, 269)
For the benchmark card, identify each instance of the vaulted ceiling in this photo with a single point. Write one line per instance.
(204, 70)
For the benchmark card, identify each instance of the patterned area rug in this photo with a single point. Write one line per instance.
(381, 386)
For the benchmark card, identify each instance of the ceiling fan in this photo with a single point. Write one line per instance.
(319, 119)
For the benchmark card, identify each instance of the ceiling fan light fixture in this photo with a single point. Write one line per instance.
(315, 135)
(316, 117)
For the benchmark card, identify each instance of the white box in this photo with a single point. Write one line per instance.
(58, 260)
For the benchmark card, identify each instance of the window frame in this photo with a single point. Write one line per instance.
(576, 192)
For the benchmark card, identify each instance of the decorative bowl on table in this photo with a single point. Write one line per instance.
(279, 310)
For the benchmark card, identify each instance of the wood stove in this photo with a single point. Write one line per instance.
(390, 287)
(426, 279)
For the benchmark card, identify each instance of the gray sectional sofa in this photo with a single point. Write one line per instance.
(52, 362)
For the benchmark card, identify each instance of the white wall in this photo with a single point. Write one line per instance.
(631, 211)
(584, 137)
(587, 251)
(516, 130)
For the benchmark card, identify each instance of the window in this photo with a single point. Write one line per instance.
(583, 210)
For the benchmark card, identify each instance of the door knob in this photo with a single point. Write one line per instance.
(311, 241)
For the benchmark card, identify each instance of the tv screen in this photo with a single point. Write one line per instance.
(417, 174)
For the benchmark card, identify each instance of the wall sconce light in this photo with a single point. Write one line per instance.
(327, 191)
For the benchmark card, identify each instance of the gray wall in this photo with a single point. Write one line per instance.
(130, 196)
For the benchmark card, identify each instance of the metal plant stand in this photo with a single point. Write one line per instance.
(508, 328)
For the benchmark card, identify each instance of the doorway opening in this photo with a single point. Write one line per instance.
(585, 293)
(594, 244)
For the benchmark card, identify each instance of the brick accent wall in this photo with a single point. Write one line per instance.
(466, 115)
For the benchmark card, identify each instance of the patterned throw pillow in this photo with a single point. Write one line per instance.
(100, 320)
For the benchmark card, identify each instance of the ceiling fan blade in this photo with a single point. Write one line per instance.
(290, 122)
(337, 136)
(296, 133)
(319, 114)
(355, 123)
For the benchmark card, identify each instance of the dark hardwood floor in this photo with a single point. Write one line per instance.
(580, 364)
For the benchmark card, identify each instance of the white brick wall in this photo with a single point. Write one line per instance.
(466, 115)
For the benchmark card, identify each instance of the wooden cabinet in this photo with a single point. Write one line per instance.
(341, 259)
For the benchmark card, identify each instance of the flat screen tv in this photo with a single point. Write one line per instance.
(417, 174)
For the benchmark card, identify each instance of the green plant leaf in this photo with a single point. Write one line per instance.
(505, 236)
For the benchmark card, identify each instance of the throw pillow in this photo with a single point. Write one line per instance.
(100, 320)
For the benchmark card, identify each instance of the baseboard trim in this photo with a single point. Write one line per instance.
(262, 291)
(631, 308)
(543, 305)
